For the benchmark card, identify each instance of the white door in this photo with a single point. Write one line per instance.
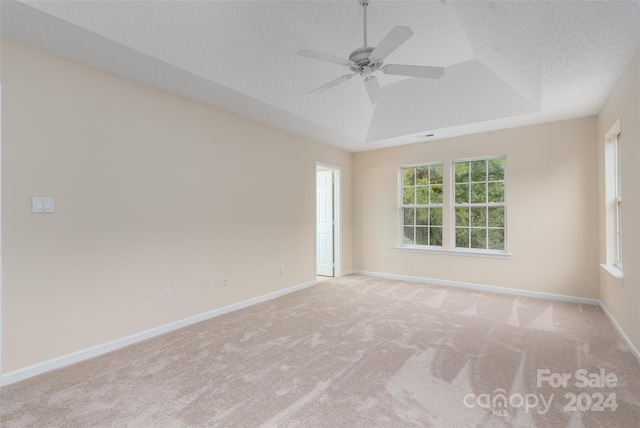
(324, 216)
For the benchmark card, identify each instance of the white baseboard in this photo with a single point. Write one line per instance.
(472, 286)
(626, 339)
(101, 349)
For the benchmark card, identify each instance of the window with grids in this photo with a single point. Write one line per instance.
(479, 204)
(613, 201)
(618, 199)
(422, 205)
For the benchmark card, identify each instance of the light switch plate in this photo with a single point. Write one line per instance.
(42, 204)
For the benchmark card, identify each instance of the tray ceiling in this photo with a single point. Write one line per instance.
(508, 63)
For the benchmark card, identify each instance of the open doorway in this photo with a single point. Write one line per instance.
(327, 221)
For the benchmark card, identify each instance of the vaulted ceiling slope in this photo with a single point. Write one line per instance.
(507, 63)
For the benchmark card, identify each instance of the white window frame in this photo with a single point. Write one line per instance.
(454, 205)
(448, 213)
(402, 205)
(613, 201)
(618, 200)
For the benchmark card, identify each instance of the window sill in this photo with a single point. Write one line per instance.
(612, 270)
(465, 253)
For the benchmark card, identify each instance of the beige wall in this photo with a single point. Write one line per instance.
(551, 209)
(152, 192)
(623, 299)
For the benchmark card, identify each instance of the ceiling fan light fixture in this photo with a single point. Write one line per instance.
(367, 60)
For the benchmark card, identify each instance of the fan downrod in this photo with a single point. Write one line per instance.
(361, 62)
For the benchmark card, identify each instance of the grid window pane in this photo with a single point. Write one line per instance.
(478, 217)
(422, 216)
(435, 176)
(496, 239)
(409, 195)
(409, 176)
(496, 170)
(479, 238)
(462, 172)
(435, 233)
(436, 194)
(478, 193)
(435, 216)
(462, 216)
(422, 235)
(409, 237)
(479, 204)
(495, 216)
(422, 199)
(462, 193)
(462, 237)
(422, 176)
(479, 171)
(422, 195)
(409, 216)
(495, 191)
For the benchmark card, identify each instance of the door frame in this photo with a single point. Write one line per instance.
(1, 270)
(337, 242)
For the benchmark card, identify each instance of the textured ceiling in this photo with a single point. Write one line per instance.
(508, 63)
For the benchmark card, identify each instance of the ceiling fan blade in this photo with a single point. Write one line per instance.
(334, 82)
(397, 36)
(323, 57)
(413, 70)
(373, 89)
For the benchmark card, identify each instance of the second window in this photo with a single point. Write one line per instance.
(479, 204)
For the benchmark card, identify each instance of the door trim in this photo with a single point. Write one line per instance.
(337, 242)
(1, 270)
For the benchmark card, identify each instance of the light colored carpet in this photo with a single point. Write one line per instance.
(355, 351)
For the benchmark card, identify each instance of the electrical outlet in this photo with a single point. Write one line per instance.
(226, 281)
(42, 204)
(166, 296)
(281, 270)
(387, 258)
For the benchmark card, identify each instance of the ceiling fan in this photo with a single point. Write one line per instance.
(369, 59)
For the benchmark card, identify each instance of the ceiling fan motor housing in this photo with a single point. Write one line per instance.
(362, 63)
